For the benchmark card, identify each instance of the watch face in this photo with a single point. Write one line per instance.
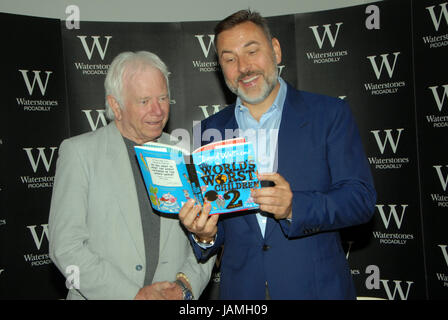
(188, 295)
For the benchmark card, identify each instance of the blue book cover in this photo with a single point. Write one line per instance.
(221, 173)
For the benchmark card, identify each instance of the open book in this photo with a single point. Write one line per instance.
(221, 173)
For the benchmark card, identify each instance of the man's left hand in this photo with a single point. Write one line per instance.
(276, 200)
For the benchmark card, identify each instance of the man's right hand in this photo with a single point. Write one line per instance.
(155, 291)
(197, 220)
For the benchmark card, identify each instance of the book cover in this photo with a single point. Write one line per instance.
(222, 173)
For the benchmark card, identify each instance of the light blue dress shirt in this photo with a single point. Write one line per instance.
(263, 134)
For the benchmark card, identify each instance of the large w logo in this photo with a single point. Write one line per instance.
(99, 119)
(95, 44)
(42, 156)
(38, 239)
(206, 48)
(443, 13)
(437, 99)
(384, 63)
(37, 78)
(392, 213)
(444, 252)
(326, 34)
(443, 180)
(382, 144)
(396, 289)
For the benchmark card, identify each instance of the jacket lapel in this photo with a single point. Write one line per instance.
(295, 117)
(123, 186)
(295, 123)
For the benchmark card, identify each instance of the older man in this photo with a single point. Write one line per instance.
(101, 222)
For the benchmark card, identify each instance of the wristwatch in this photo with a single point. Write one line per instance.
(186, 293)
(207, 243)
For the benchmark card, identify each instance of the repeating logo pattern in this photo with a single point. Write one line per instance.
(387, 127)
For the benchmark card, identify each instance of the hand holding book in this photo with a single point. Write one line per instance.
(198, 221)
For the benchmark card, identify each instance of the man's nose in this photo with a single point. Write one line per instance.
(244, 65)
(156, 107)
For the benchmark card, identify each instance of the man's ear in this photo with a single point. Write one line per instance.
(115, 106)
(277, 50)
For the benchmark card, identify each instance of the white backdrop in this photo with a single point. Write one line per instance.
(162, 10)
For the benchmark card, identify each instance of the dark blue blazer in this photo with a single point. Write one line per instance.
(321, 156)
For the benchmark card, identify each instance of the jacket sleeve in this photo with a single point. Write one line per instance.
(351, 197)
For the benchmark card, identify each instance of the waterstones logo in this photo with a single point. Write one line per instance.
(392, 216)
(36, 81)
(439, 17)
(100, 118)
(43, 158)
(326, 36)
(397, 289)
(440, 95)
(388, 139)
(443, 277)
(441, 200)
(94, 46)
(206, 43)
(383, 67)
(38, 234)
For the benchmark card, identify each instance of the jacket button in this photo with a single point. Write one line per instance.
(138, 267)
(266, 247)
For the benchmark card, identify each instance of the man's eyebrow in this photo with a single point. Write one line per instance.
(226, 51)
(251, 43)
(245, 46)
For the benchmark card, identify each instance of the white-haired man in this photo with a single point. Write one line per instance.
(101, 220)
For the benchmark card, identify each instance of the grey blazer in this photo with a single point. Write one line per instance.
(95, 223)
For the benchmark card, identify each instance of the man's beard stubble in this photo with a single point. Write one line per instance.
(268, 85)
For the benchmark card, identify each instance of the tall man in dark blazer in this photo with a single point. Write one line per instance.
(312, 152)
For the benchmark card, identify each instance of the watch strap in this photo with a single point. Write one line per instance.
(186, 293)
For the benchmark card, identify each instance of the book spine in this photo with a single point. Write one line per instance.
(194, 180)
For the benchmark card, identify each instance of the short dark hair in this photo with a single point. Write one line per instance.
(240, 17)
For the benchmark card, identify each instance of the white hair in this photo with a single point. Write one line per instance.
(113, 83)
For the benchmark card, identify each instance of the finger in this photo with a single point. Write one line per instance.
(203, 216)
(214, 220)
(209, 229)
(274, 177)
(185, 209)
(167, 285)
(278, 212)
(190, 218)
(263, 192)
(269, 201)
(270, 192)
(211, 225)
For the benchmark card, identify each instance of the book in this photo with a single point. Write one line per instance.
(222, 173)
